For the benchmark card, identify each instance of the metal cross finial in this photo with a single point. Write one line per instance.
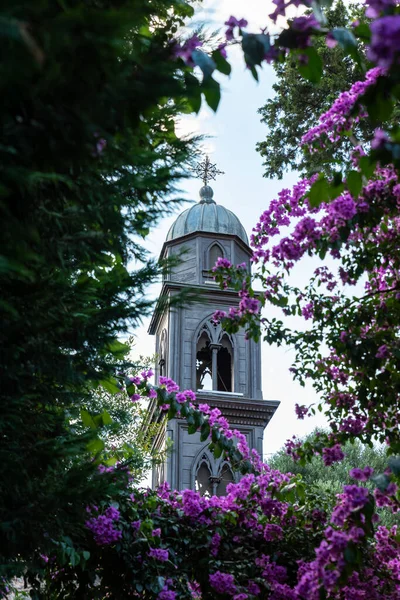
(207, 171)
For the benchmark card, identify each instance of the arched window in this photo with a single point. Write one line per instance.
(214, 254)
(224, 365)
(211, 477)
(162, 363)
(225, 478)
(203, 483)
(214, 359)
(204, 380)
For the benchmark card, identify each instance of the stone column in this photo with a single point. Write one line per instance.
(214, 349)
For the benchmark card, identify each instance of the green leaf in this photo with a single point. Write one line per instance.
(367, 166)
(215, 435)
(381, 481)
(363, 31)
(110, 385)
(193, 91)
(198, 418)
(192, 428)
(86, 554)
(379, 101)
(288, 39)
(380, 109)
(74, 558)
(190, 419)
(255, 46)
(221, 63)
(319, 192)
(253, 71)
(212, 92)
(218, 450)
(98, 420)
(349, 555)
(348, 42)
(205, 62)
(313, 68)
(319, 15)
(10, 28)
(118, 349)
(95, 446)
(337, 179)
(354, 183)
(106, 418)
(173, 409)
(205, 431)
(87, 419)
(160, 582)
(394, 464)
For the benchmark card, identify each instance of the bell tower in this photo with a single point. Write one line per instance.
(224, 370)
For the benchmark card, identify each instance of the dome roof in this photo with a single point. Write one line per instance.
(209, 217)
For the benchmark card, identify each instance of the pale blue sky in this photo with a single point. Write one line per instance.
(235, 130)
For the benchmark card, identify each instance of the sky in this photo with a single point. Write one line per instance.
(234, 131)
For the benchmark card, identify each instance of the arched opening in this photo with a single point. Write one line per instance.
(214, 359)
(224, 365)
(214, 254)
(225, 478)
(162, 363)
(203, 479)
(204, 363)
(211, 477)
(224, 368)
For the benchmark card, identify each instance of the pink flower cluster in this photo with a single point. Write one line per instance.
(384, 48)
(186, 50)
(231, 24)
(223, 583)
(103, 527)
(332, 455)
(340, 117)
(158, 554)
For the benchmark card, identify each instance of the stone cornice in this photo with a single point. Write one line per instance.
(238, 411)
(244, 411)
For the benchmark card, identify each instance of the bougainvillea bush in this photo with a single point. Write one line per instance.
(269, 537)
(354, 238)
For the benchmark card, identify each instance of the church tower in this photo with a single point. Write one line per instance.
(224, 370)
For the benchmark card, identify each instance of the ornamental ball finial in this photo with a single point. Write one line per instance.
(206, 195)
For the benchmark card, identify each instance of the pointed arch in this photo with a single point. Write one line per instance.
(211, 476)
(214, 251)
(204, 362)
(215, 357)
(225, 477)
(203, 473)
(162, 362)
(225, 364)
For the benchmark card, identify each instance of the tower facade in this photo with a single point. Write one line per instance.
(224, 370)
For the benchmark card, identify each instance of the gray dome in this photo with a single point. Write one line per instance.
(209, 217)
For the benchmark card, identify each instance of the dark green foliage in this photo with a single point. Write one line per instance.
(89, 156)
(298, 102)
